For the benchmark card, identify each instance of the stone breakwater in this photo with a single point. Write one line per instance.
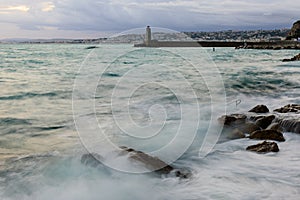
(276, 45)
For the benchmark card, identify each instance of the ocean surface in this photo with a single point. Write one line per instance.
(60, 101)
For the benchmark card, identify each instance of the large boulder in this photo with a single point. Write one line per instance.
(264, 147)
(260, 109)
(233, 119)
(267, 135)
(154, 164)
(265, 121)
(295, 31)
(290, 108)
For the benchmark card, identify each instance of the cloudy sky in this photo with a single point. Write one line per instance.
(97, 18)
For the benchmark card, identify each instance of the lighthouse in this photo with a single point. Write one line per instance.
(148, 36)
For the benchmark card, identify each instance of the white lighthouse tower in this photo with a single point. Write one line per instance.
(148, 36)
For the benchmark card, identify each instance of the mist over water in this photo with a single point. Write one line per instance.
(40, 148)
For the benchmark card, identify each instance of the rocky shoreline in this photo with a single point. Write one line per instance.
(280, 45)
(261, 124)
(295, 58)
(256, 124)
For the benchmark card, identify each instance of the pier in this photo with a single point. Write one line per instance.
(276, 45)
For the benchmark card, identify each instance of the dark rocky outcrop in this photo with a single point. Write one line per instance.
(267, 135)
(260, 109)
(233, 119)
(264, 147)
(236, 126)
(92, 47)
(295, 58)
(154, 164)
(151, 163)
(295, 31)
(290, 108)
(265, 121)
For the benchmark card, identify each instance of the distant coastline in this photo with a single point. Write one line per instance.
(273, 43)
(217, 36)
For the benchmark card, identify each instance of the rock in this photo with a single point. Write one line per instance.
(152, 163)
(267, 135)
(265, 121)
(155, 164)
(236, 134)
(264, 147)
(295, 58)
(290, 125)
(254, 118)
(260, 109)
(232, 119)
(92, 47)
(248, 127)
(295, 31)
(275, 126)
(290, 108)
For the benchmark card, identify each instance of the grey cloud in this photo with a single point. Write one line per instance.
(117, 15)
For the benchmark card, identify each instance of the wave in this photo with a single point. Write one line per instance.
(260, 83)
(111, 74)
(14, 121)
(49, 128)
(25, 95)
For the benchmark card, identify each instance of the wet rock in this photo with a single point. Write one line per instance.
(290, 125)
(275, 126)
(290, 108)
(248, 127)
(233, 119)
(92, 47)
(265, 121)
(264, 147)
(260, 109)
(295, 58)
(254, 118)
(236, 134)
(267, 135)
(155, 164)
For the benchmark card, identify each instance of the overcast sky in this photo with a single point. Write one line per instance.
(97, 18)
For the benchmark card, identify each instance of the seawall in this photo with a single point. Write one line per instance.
(245, 45)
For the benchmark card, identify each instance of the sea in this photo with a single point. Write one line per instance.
(61, 101)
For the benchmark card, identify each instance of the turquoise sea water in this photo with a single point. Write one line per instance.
(58, 102)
